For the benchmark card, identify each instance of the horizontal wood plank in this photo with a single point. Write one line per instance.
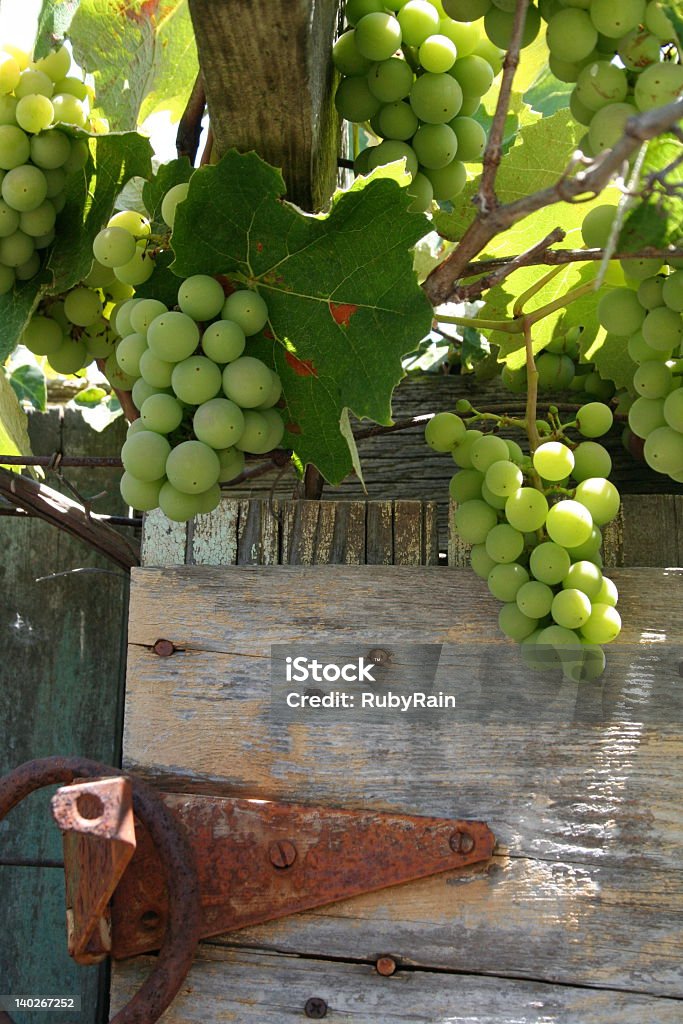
(254, 988)
(579, 782)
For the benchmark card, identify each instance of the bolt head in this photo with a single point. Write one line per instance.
(164, 648)
(386, 965)
(461, 842)
(315, 1008)
(282, 853)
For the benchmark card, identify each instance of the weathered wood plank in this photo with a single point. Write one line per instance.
(281, 59)
(408, 533)
(578, 782)
(653, 529)
(163, 542)
(297, 532)
(33, 951)
(255, 988)
(379, 533)
(62, 641)
(299, 528)
(454, 607)
(212, 706)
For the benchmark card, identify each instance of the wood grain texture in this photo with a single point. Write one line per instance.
(33, 952)
(62, 646)
(401, 466)
(260, 531)
(268, 79)
(578, 782)
(244, 987)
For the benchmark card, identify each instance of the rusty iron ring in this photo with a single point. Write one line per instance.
(184, 912)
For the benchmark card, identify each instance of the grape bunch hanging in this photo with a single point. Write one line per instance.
(38, 101)
(533, 523)
(204, 401)
(416, 74)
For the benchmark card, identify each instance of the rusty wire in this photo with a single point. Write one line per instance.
(183, 927)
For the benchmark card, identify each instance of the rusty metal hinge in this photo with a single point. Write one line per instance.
(148, 870)
(257, 860)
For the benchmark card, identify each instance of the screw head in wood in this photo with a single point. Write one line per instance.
(315, 1008)
(378, 656)
(282, 853)
(164, 648)
(386, 965)
(461, 842)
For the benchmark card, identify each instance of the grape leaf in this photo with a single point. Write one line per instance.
(14, 439)
(344, 304)
(28, 384)
(608, 352)
(500, 300)
(141, 53)
(518, 113)
(658, 220)
(90, 198)
(541, 154)
(53, 23)
(548, 94)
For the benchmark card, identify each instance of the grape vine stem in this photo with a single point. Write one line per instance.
(549, 258)
(441, 284)
(532, 389)
(502, 270)
(487, 200)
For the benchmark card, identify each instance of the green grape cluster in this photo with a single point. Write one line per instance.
(647, 315)
(534, 526)
(622, 57)
(416, 71)
(203, 402)
(36, 156)
(75, 328)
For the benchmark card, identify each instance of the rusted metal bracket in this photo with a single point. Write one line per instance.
(181, 867)
(256, 861)
(96, 819)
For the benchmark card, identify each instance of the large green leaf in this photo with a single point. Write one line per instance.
(142, 54)
(14, 438)
(89, 201)
(608, 352)
(342, 296)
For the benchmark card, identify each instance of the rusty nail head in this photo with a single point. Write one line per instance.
(282, 853)
(386, 965)
(378, 656)
(164, 648)
(315, 1008)
(461, 842)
